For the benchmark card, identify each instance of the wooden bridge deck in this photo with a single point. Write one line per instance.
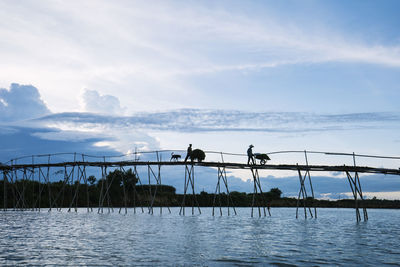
(228, 165)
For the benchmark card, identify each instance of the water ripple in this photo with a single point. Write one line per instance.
(109, 239)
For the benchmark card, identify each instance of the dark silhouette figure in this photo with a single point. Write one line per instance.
(250, 155)
(262, 157)
(197, 154)
(189, 152)
(175, 157)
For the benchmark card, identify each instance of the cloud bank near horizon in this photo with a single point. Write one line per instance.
(121, 132)
(199, 120)
(23, 102)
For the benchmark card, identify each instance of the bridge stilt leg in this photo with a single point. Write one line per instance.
(229, 201)
(304, 195)
(85, 179)
(110, 207)
(9, 182)
(20, 192)
(303, 191)
(65, 182)
(28, 179)
(159, 179)
(13, 188)
(41, 189)
(194, 198)
(189, 179)
(5, 190)
(71, 193)
(67, 187)
(34, 198)
(122, 170)
(100, 208)
(18, 195)
(153, 196)
(107, 193)
(47, 179)
(225, 180)
(185, 185)
(222, 175)
(78, 185)
(158, 184)
(355, 186)
(151, 200)
(32, 201)
(21, 200)
(257, 186)
(39, 197)
(104, 191)
(135, 193)
(218, 193)
(76, 194)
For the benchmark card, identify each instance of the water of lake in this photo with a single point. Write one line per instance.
(335, 238)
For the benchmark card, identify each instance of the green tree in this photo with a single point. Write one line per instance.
(276, 193)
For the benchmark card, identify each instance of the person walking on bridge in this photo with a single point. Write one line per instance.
(189, 152)
(250, 155)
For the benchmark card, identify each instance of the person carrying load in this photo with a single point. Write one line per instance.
(250, 155)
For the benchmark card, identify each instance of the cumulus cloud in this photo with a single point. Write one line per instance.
(21, 102)
(97, 103)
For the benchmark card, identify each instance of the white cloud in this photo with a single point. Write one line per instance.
(70, 136)
(21, 102)
(106, 104)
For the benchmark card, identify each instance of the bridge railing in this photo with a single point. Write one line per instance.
(277, 157)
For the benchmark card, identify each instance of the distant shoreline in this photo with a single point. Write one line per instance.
(26, 194)
(206, 200)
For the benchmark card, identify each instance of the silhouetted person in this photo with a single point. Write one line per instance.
(250, 155)
(189, 152)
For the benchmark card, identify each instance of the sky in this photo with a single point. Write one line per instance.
(109, 77)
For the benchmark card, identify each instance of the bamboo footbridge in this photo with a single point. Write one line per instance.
(41, 170)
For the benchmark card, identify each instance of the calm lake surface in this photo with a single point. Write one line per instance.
(335, 238)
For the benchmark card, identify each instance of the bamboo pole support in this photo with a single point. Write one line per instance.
(101, 190)
(124, 191)
(256, 188)
(5, 191)
(189, 179)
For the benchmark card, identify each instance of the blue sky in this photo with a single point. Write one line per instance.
(108, 76)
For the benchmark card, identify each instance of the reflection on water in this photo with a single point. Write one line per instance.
(62, 238)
